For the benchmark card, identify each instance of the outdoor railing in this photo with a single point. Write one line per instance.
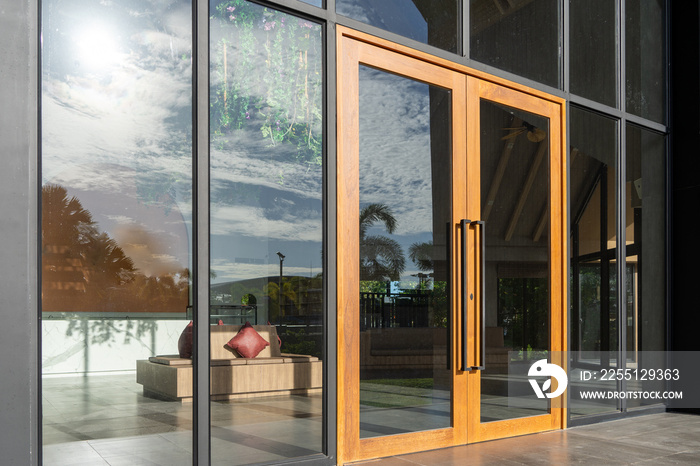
(386, 310)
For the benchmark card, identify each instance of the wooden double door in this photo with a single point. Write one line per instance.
(451, 235)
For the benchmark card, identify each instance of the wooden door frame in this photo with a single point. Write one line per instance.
(353, 48)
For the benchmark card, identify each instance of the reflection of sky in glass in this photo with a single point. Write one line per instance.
(399, 16)
(116, 127)
(395, 155)
(318, 3)
(266, 173)
(434, 22)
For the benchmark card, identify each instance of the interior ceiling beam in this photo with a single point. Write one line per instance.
(500, 170)
(501, 5)
(541, 224)
(527, 187)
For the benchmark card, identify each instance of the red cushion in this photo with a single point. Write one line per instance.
(184, 343)
(247, 342)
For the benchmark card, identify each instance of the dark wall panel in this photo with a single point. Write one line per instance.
(685, 131)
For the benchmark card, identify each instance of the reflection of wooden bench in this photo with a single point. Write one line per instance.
(398, 349)
(231, 376)
(402, 348)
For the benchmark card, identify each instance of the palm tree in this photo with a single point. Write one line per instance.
(381, 258)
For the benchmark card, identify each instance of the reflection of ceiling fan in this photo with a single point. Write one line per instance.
(534, 134)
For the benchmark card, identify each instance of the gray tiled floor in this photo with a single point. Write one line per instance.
(105, 420)
(657, 439)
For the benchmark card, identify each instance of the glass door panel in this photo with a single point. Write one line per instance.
(515, 209)
(405, 201)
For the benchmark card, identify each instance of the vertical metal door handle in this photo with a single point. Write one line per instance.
(465, 290)
(482, 298)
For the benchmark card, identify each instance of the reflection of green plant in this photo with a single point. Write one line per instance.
(80, 264)
(440, 302)
(249, 300)
(523, 312)
(266, 70)
(299, 342)
(281, 295)
(530, 354)
(373, 286)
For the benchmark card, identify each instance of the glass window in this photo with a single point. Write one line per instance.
(645, 214)
(594, 283)
(594, 50)
(519, 37)
(433, 22)
(116, 227)
(266, 188)
(645, 65)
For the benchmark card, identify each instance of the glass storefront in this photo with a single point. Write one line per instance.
(118, 145)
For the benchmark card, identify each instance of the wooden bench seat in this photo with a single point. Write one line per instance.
(271, 373)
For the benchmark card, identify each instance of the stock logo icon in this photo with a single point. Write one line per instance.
(544, 369)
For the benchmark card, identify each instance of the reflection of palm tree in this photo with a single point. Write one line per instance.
(381, 258)
(80, 264)
(422, 255)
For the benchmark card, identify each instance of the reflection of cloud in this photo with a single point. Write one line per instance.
(136, 111)
(227, 270)
(248, 159)
(261, 191)
(395, 148)
(399, 16)
(351, 9)
(120, 219)
(253, 222)
(148, 249)
(116, 136)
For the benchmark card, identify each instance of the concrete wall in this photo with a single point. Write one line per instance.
(19, 416)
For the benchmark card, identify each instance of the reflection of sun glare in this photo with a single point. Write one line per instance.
(97, 46)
